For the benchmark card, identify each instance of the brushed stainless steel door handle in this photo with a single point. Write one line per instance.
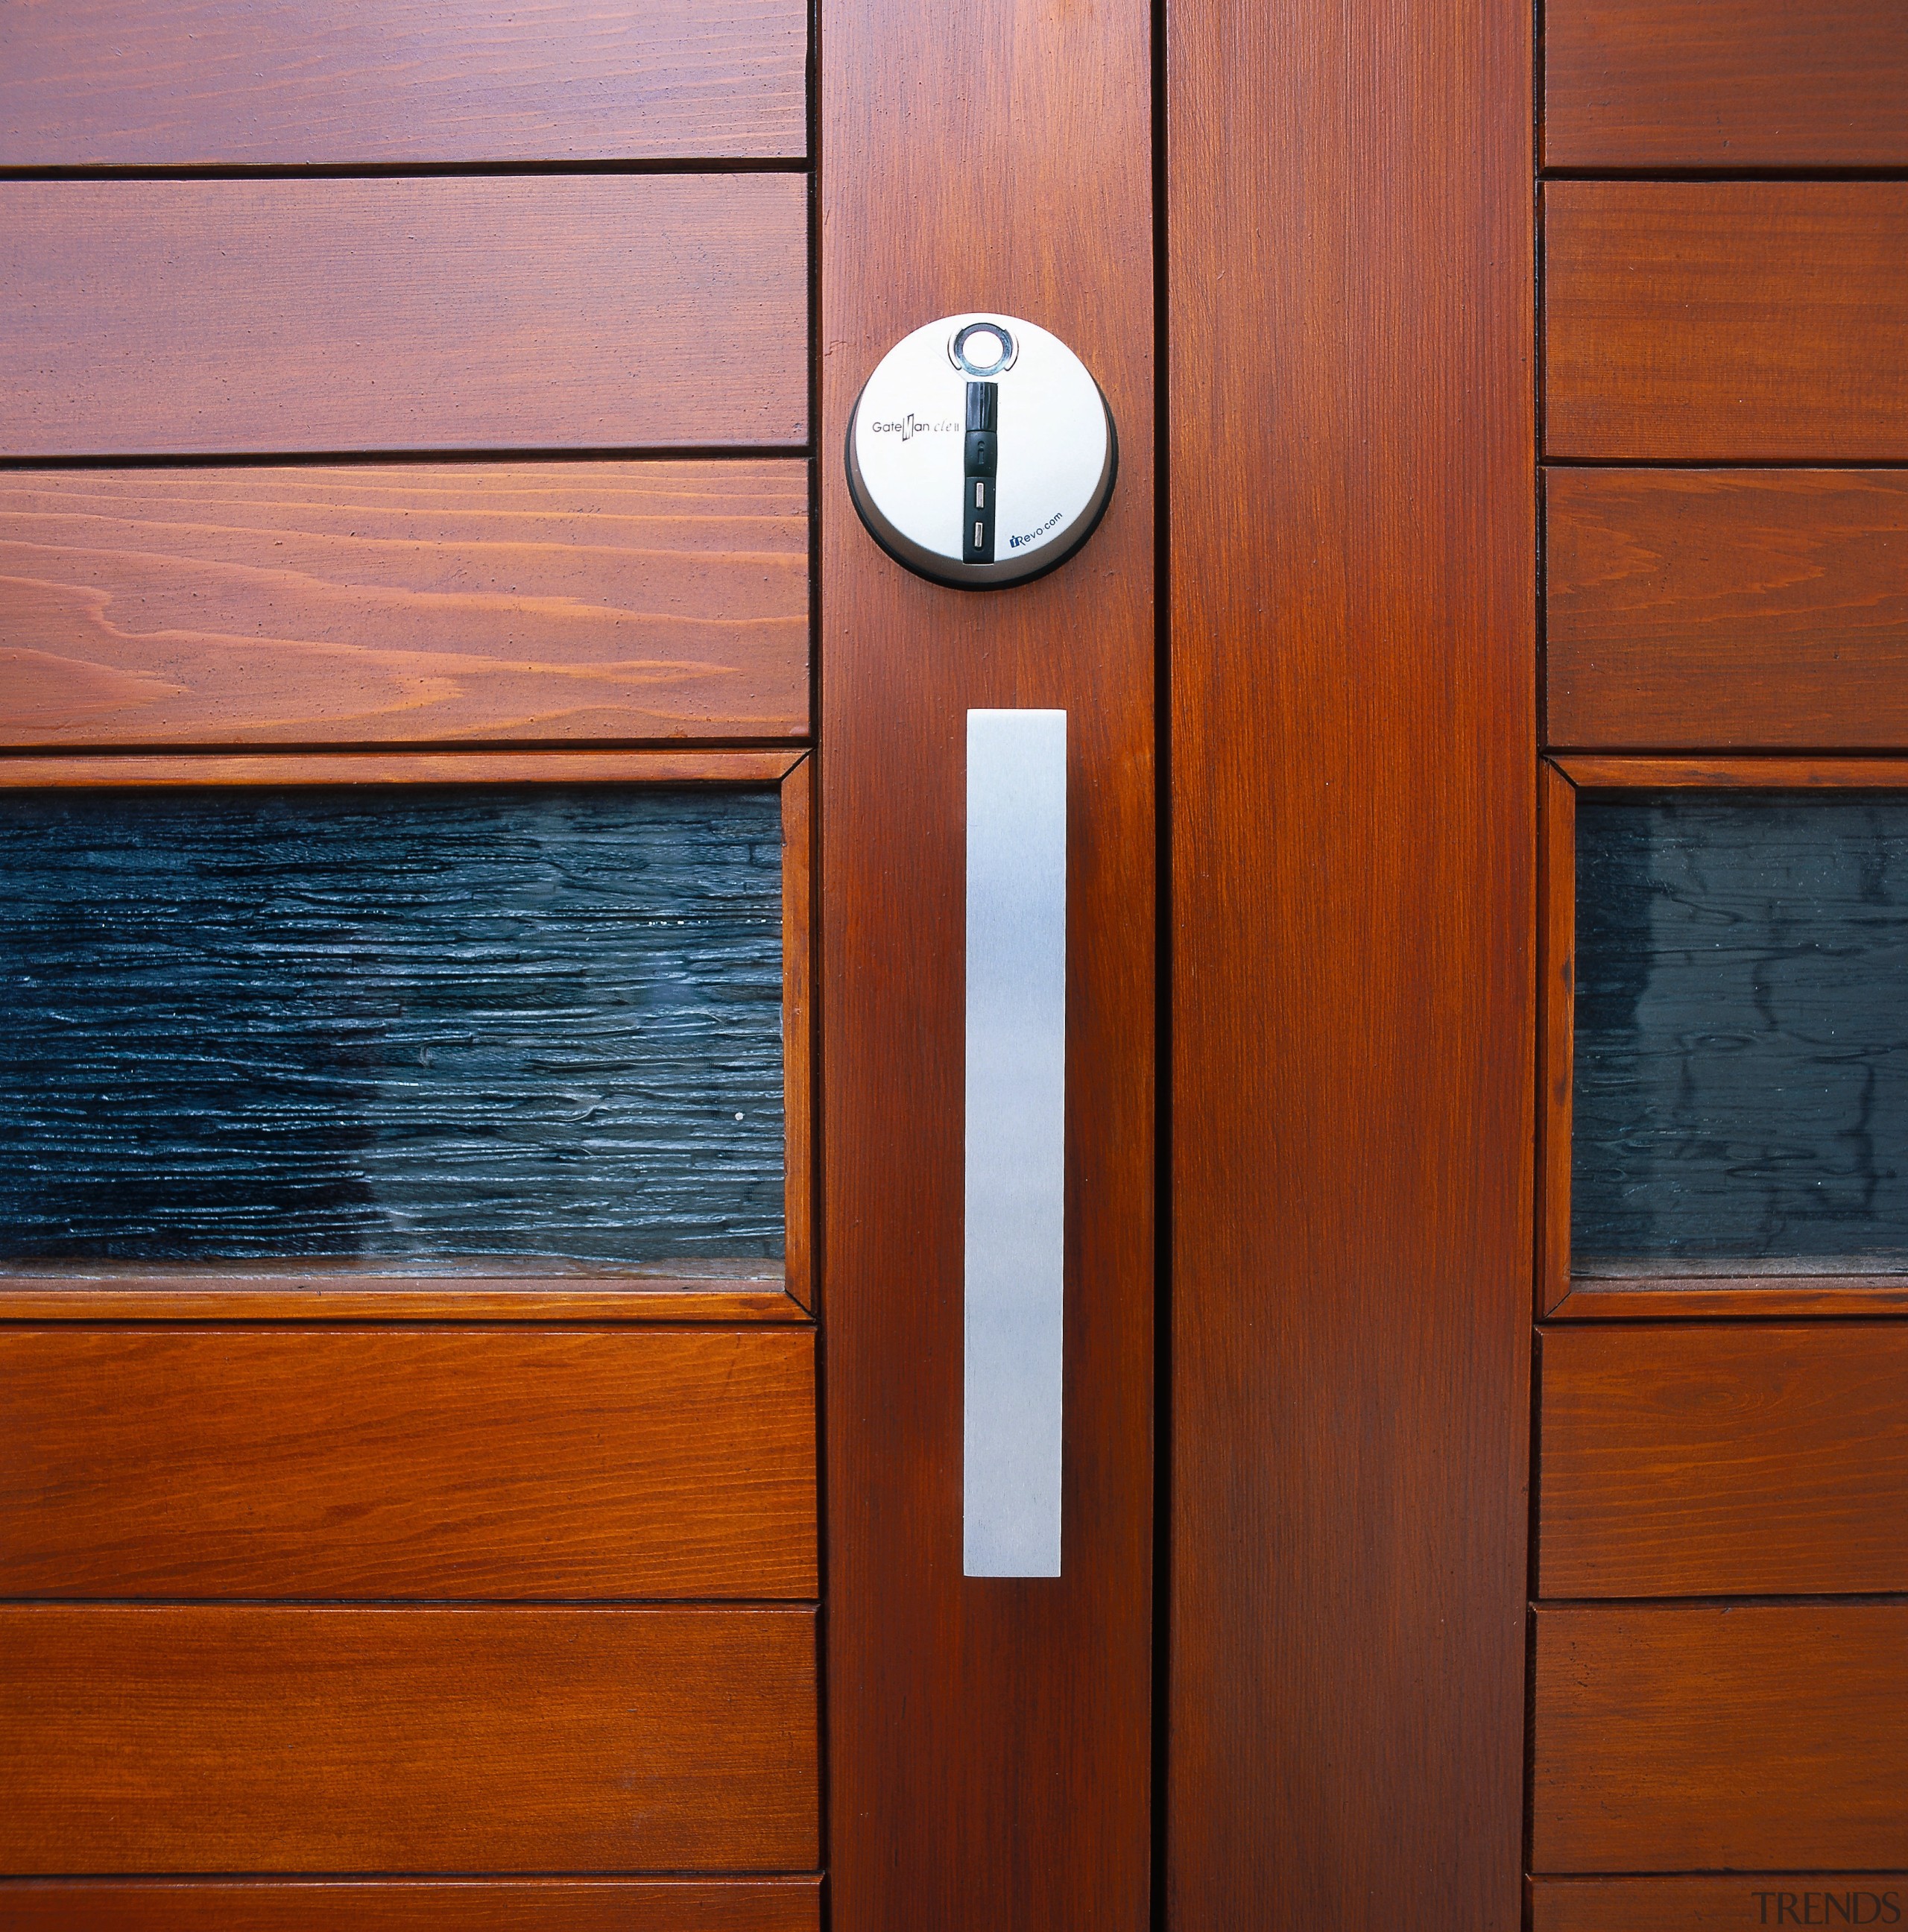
(1016, 1112)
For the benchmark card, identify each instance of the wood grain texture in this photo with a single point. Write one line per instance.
(1750, 1298)
(1591, 773)
(988, 1739)
(1557, 980)
(234, 82)
(798, 1031)
(1718, 1904)
(1723, 1462)
(254, 317)
(329, 1293)
(1648, 84)
(1752, 321)
(407, 1463)
(414, 1905)
(1354, 908)
(1709, 1737)
(1745, 608)
(344, 766)
(263, 1740)
(403, 603)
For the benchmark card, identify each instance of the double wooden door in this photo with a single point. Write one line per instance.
(422, 431)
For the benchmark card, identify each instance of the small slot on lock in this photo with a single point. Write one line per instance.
(983, 455)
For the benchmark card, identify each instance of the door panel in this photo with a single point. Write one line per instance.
(201, 1739)
(1740, 607)
(1717, 1904)
(990, 1740)
(1717, 966)
(1725, 1461)
(1353, 683)
(1708, 1737)
(1664, 84)
(1750, 321)
(398, 1905)
(220, 82)
(394, 603)
(245, 249)
(429, 1463)
(205, 317)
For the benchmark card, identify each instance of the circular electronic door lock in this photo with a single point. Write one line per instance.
(981, 451)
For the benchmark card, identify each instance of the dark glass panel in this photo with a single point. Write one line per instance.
(1742, 1042)
(446, 1023)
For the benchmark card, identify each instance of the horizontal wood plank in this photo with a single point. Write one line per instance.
(1591, 772)
(1742, 1298)
(404, 603)
(1743, 608)
(261, 1740)
(233, 82)
(1723, 1462)
(413, 1905)
(612, 312)
(346, 766)
(1731, 1903)
(749, 1291)
(1737, 321)
(386, 1463)
(1725, 84)
(1709, 1737)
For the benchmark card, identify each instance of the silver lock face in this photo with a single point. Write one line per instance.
(981, 452)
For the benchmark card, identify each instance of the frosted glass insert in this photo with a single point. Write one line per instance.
(449, 1024)
(1741, 1035)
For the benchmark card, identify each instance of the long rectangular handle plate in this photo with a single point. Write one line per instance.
(1016, 1113)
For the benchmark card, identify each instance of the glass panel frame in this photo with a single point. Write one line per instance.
(1570, 1288)
(720, 1289)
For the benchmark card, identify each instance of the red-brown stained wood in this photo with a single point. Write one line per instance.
(1729, 607)
(1731, 1903)
(404, 603)
(1751, 1297)
(1724, 1461)
(395, 1463)
(328, 1290)
(1646, 84)
(235, 83)
(209, 1739)
(798, 1031)
(989, 1740)
(646, 311)
(347, 767)
(1711, 1737)
(412, 1905)
(1615, 1291)
(1556, 1069)
(1353, 768)
(1690, 322)
(1591, 773)
(90, 1292)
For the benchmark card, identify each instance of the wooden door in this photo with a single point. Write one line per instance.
(1538, 666)
(408, 1332)
(420, 516)
(421, 429)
